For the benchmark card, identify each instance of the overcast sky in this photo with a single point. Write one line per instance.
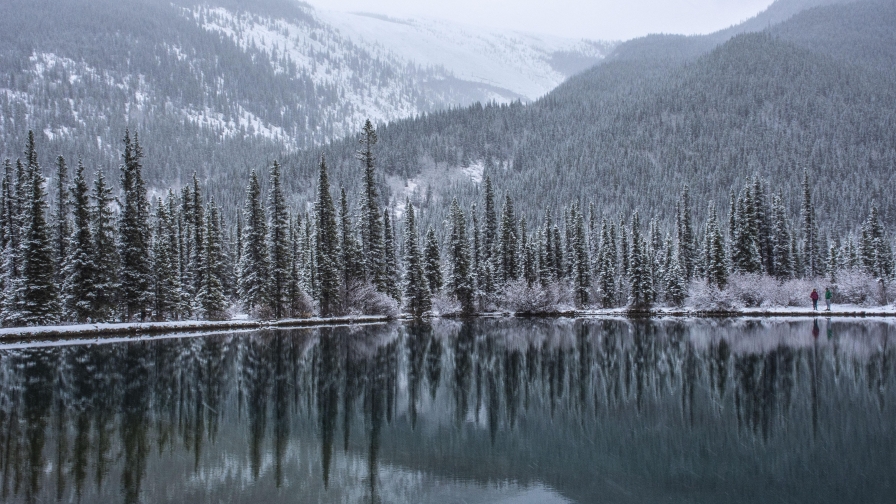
(595, 19)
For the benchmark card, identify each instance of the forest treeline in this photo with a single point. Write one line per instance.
(100, 254)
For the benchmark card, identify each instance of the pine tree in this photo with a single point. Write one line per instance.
(212, 302)
(327, 246)
(745, 257)
(641, 294)
(507, 245)
(133, 234)
(167, 299)
(809, 231)
(352, 262)
(674, 282)
(490, 238)
(278, 246)
(371, 225)
(195, 220)
(416, 291)
(783, 262)
(37, 292)
(60, 220)
(105, 252)
(12, 217)
(607, 266)
(79, 270)
(460, 281)
(716, 265)
(687, 243)
(255, 260)
(582, 263)
(390, 264)
(432, 262)
(297, 297)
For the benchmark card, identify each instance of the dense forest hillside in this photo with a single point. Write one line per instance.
(220, 86)
(815, 91)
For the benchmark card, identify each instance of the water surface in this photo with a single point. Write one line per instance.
(515, 411)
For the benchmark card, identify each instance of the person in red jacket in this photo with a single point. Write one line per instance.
(814, 297)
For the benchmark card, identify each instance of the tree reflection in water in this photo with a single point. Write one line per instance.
(567, 410)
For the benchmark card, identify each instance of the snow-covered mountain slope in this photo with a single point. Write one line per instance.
(524, 63)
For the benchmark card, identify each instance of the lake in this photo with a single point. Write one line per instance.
(491, 410)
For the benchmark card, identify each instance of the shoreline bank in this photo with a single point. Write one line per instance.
(154, 328)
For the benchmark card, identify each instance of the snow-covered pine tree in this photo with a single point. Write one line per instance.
(782, 262)
(167, 297)
(507, 245)
(134, 234)
(745, 256)
(875, 250)
(390, 263)
(417, 298)
(687, 242)
(674, 283)
(432, 262)
(79, 270)
(641, 293)
(60, 220)
(371, 223)
(195, 220)
(278, 245)
(38, 295)
(255, 260)
(582, 263)
(212, 301)
(11, 237)
(716, 264)
(546, 268)
(297, 297)
(624, 245)
(476, 252)
(607, 266)
(527, 255)
(105, 252)
(352, 262)
(460, 280)
(327, 246)
(559, 264)
(810, 256)
(490, 236)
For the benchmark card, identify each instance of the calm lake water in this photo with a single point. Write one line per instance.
(503, 410)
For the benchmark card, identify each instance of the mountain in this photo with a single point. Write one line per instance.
(224, 85)
(813, 92)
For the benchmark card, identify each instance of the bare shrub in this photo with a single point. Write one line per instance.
(366, 300)
(518, 296)
(705, 297)
(444, 304)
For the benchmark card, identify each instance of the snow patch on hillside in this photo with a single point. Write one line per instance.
(524, 63)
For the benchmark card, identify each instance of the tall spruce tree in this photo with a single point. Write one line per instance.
(133, 234)
(641, 292)
(811, 264)
(255, 260)
(79, 270)
(351, 259)
(37, 292)
(105, 252)
(60, 219)
(460, 280)
(390, 263)
(687, 242)
(371, 225)
(278, 246)
(581, 261)
(716, 265)
(507, 244)
(212, 301)
(607, 266)
(327, 246)
(432, 262)
(167, 296)
(417, 298)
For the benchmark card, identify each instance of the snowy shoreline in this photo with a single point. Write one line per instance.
(146, 328)
(143, 328)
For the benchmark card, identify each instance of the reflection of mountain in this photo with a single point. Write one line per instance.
(595, 410)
